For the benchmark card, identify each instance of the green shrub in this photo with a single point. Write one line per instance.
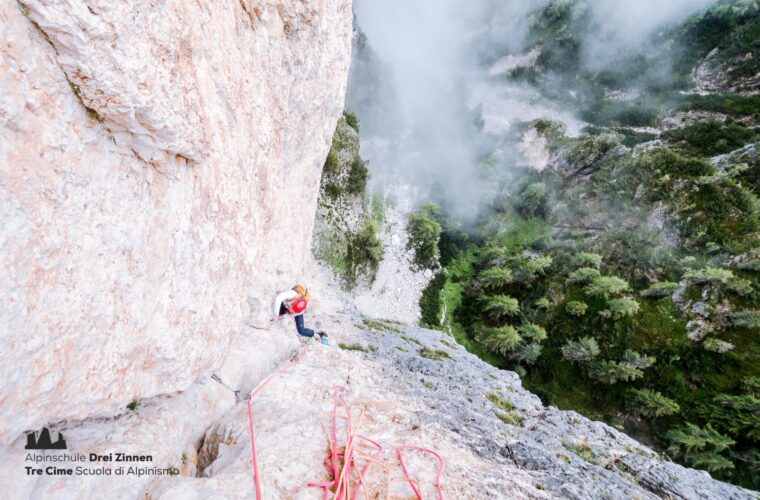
(333, 190)
(581, 351)
(709, 275)
(543, 303)
(588, 260)
(606, 286)
(716, 276)
(498, 307)
(651, 404)
(730, 104)
(665, 161)
(589, 149)
(430, 301)
(502, 340)
(584, 275)
(619, 308)
(358, 174)
(576, 308)
(749, 265)
(365, 251)
(660, 290)
(710, 138)
(424, 233)
(332, 163)
(717, 345)
(532, 200)
(351, 120)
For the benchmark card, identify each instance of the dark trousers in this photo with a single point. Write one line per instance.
(302, 330)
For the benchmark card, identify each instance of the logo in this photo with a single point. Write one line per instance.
(41, 440)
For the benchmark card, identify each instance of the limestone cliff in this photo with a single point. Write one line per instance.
(152, 156)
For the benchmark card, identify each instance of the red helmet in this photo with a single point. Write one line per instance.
(298, 306)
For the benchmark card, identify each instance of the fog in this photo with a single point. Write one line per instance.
(428, 130)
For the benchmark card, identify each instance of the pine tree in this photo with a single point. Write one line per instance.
(581, 351)
(583, 275)
(642, 361)
(585, 259)
(620, 308)
(606, 286)
(532, 332)
(660, 290)
(652, 404)
(495, 277)
(701, 447)
(498, 307)
(612, 372)
(525, 270)
(528, 353)
(502, 340)
(576, 308)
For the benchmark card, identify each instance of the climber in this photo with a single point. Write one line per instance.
(294, 301)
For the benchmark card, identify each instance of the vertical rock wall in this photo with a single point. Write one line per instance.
(159, 172)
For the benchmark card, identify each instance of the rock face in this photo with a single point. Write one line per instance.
(156, 163)
(415, 387)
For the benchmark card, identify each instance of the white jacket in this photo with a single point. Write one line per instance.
(286, 296)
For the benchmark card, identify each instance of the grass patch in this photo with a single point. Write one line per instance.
(511, 418)
(448, 344)
(356, 347)
(382, 325)
(500, 402)
(583, 450)
(435, 354)
(410, 339)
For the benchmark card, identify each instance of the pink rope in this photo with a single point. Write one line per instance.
(254, 456)
(333, 454)
(367, 467)
(406, 472)
(254, 392)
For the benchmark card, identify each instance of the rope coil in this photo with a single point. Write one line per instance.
(341, 461)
